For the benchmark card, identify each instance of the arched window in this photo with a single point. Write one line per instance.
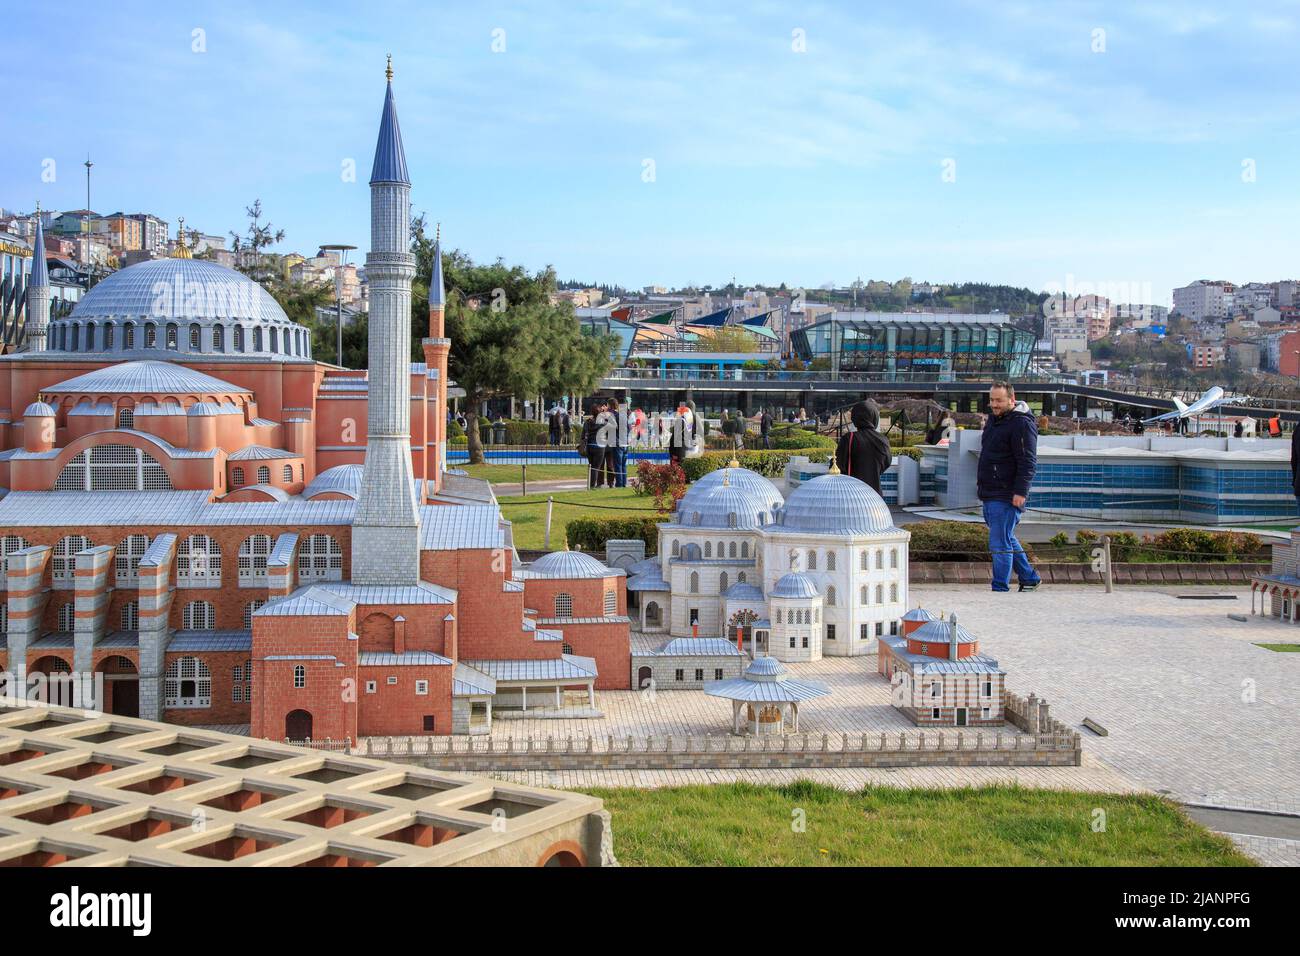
(195, 336)
(113, 468)
(288, 473)
(218, 338)
(880, 559)
(131, 616)
(108, 335)
(299, 676)
(252, 559)
(188, 683)
(830, 560)
(731, 549)
(76, 331)
(257, 339)
(126, 418)
(67, 617)
(677, 547)
(830, 597)
(695, 582)
(263, 475)
(63, 563)
(740, 578)
(126, 558)
(863, 598)
(172, 336)
(893, 592)
(611, 603)
(199, 616)
(744, 549)
(249, 609)
(566, 648)
(778, 615)
(722, 583)
(862, 564)
(8, 545)
(893, 558)
(812, 560)
(708, 549)
(275, 340)
(320, 558)
(239, 338)
(150, 335)
(90, 336)
(237, 477)
(880, 594)
(198, 560)
(128, 337)
(564, 605)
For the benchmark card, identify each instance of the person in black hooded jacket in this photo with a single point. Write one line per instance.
(864, 453)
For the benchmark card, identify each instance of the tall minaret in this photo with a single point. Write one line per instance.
(437, 348)
(38, 292)
(386, 524)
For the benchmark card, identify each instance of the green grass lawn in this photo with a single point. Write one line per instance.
(1284, 648)
(747, 825)
(529, 513)
(502, 474)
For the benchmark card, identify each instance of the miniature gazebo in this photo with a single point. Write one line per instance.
(769, 697)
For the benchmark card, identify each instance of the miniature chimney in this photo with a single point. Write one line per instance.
(952, 636)
(399, 635)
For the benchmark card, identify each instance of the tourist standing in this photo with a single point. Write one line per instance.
(587, 446)
(622, 438)
(566, 427)
(765, 428)
(553, 425)
(1008, 460)
(864, 453)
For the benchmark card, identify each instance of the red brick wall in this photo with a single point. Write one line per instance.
(396, 710)
(489, 618)
(223, 710)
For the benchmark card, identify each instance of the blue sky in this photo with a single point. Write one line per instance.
(1122, 166)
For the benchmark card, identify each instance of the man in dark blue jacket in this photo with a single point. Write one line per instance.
(1008, 459)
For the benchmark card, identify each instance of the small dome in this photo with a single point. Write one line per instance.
(568, 564)
(941, 632)
(214, 408)
(836, 504)
(149, 378)
(795, 585)
(920, 614)
(341, 479)
(38, 410)
(765, 667)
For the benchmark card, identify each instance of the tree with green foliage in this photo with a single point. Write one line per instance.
(727, 338)
(507, 338)
(259, 236)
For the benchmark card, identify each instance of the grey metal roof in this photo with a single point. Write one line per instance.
(211, 641)
(312, 600)
(408, 659)
(214, 408)
(567, 667)
(447, 528)
(469, 682)
(786, 689)
(341, 478)
(568, 564)
(836, 504)
(940, 632)
(390, 158)
(698, 647)
(145, 376)
(795, 585)
(40, 275)
(282, 552)
(421, 593)
(437, 292)
(920, 614)
(120, 639)
(647, 582)
(742, 479)
(255, 452)
(975, 664)
(301, 657)
(644, 566)
(279, 494)
(38, 408)
(165, 408)
(721, 505)
(62, 639)
(612, 619)
(103, 408)
(743, 591)
(112, 508)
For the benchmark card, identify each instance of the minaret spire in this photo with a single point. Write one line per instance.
(386, 523)
(38, 291)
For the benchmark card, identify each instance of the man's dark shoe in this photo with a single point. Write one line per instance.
(1029, 587)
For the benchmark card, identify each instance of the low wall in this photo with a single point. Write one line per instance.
(726, 751)
(978, 572)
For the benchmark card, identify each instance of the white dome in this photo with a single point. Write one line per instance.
(836, 504)
(719, 494)
(568, 564)
(795, 585)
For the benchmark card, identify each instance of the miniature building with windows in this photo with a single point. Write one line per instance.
(939, 677)
(822, 574)
(235, 533)
(1279, 590)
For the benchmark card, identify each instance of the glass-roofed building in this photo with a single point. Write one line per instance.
(918, 346)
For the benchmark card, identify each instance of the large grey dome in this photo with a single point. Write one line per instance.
(568, 564)
(187, 306)
(836, 504)
(727, 491)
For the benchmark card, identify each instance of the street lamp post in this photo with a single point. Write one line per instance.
(343, 251)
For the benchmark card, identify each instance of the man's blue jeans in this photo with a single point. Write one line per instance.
(620, 467)
(1002, 518)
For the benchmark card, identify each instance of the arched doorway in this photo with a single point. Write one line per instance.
(121, 686)
(654, 615)
(297, 725)
(744, 620)
(643, 677)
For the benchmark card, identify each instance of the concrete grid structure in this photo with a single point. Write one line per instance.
(96, 790)
(234, 533)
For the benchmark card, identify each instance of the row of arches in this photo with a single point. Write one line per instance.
(198, 558)
(564, 604)
(263, 473)
(725, 549)
(195, 616)
(234, 339)
(724, 582)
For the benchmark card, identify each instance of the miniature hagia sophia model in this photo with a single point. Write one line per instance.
(232, 532)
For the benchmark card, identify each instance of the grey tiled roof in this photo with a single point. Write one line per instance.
(120, 639)
(282, 552)
(698, 647)
(184, 508)
(408, 659)
(446, 528)
(422, 593)
(301, 657)
(975, 664)
(612, 619)
(469, 682)
(647, 582)
(279, 494)
(254, 452)
(144, 377)
(569, 666)
(836, 504)
(60, 640)
(312, 599)
(211, 641)
(568, 564)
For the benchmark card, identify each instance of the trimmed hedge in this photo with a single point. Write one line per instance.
(518, 432)
(952, 541)
(590, 534)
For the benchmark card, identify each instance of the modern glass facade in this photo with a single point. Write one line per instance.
(918, 347)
